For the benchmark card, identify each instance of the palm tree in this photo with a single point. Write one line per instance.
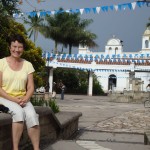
(35, 24)
(68, 29)
(75, 33)
(52, 29)
(148, 24)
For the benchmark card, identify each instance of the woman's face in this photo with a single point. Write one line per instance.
(16, 49)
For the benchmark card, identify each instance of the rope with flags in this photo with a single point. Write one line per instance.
(95, 10)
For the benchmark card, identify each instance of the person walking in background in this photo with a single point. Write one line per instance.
(62, 91)
(16, 89)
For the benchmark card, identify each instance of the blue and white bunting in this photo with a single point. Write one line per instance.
(98, 9)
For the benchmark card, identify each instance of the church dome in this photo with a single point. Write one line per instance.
(114, 42)
(147, 32)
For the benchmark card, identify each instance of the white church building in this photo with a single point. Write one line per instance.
(113, 67)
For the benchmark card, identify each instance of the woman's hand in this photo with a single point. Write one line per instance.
(22, 101)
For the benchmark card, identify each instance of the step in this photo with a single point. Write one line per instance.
(65, 145)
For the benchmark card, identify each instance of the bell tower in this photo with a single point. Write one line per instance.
(146, 40)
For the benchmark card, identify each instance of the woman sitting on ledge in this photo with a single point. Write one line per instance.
(16, 89)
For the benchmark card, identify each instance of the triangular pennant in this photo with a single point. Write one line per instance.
(32, 14)
(81, 10)
(111, 7)
(72, 11)
(94, 10)
(52, 12)
(48, 12)
(104, 8)
(119, 6)
(133, 5)
(42, 13)
(98, 9)
(122, 6)
(116, 7)
(140, 3)
(129, 5)
(67, 11)
(87, 10)
(38, 14)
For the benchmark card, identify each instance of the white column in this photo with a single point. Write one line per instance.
(90, 87)
(127, 83)
(50, 80)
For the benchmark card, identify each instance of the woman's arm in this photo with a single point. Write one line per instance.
(5, 95)
(30, 88)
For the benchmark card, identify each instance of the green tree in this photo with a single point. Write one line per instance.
(8, 27)
(68, 29)
(76, 81)
(35, 23)
(53, 28)
(8, 7)
(75, 33)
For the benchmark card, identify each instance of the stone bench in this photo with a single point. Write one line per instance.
(147, 137)
(53, 127)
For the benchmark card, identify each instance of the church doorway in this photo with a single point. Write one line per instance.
(112, 82)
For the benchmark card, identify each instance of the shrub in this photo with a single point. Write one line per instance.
(37, 101)
(42, 102)
(52, 103)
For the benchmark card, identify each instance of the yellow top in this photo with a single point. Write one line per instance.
(14, 82)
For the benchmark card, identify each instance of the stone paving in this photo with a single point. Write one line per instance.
(136, 121)
(100, 114)
(101, 120)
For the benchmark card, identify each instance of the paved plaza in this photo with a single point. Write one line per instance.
(105, 125)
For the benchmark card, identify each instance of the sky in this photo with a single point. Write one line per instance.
(127, 25)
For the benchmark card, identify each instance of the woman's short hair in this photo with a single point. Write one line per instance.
(17, 37)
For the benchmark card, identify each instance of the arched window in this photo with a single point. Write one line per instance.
(112, 81)
(109, 50)
(146, 44)
(116, 48)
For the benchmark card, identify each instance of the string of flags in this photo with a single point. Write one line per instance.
(52, 60)
(97, 68)
(98, 56)
(95, 10)
(94, 68)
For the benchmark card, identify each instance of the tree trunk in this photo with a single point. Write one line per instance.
(34, 36)
(55, 50)
(70, 48)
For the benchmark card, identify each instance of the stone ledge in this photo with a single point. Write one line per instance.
(5, 119)
(66, 118)
(47, 111)
(147, 137)
(53, 127)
